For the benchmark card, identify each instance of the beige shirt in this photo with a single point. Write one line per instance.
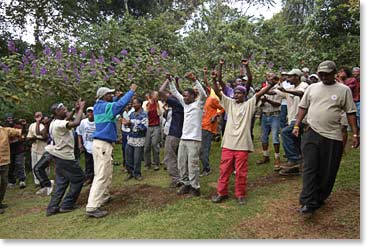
(292, 100)
(38, 146)
(325, 104)
(237, 135)
(63, 139)
(267, 107)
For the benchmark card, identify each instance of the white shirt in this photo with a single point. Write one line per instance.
(86, 130)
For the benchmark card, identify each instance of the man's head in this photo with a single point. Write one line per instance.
(105, 94)
(137, 103)
(189, 95)
(9, 118)
(90, 114)
(314, 78)
(154, 95)
(269, 76)
(294, 76)
(239, 94)
(326, 72)
(283, 76)
(344, 72)
(59, 110)
(38, 116)
(305, 71)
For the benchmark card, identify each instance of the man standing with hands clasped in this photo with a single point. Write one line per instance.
(322, 145)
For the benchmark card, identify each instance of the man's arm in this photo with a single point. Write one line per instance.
(78, 116)
(118, 106)
(273, 103)
(215, 84)
(162, 93)
(300, 115)
(175, 93)
(296, 93)
(263, 91)
(222, 84)
(245, 64)
(352, 120)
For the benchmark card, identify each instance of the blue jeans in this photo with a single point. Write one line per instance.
(16, 168)
(40, 169)
(67, 172)
(134, 156)
(291, 143)
(283, 116)
(270, 123)
(124, 143)
(358, 105)
(206, 143)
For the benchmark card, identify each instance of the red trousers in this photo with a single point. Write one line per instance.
(233, 160)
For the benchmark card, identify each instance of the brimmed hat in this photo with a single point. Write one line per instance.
(90, 108)
(315, 76)
(305, 70)
(295, 71)
(326, 67)
(103, 91)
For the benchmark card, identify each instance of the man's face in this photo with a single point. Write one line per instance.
(356, 73)
(10, 119)
(187, 97)
(238, 81)
(38, 115)
(269, 76)
(61, 111)
(238, 96)
(90, 114)
(313, 80)
(293, 79)
(154, 96)
(342, 74)
(327, 78)
(136, 105)
(108, 97)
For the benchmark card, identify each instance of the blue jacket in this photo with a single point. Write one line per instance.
(105, 117)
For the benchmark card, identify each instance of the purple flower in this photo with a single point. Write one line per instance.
(82, 65)
(21, 66)
(67, 65)
(60, 72)
(92, 61)
(30, 54)
(100, 59)
(139, 59)
(164, 54)
(129, 76)
(25, 60)
(111, 70)
(83, 54)
(116, 60)
(152, 51)
(47, 51)
(58, 55)
(124, 52)
(5, 67)
(135, 66)
(11, 46)
(66, 78)
(76, 71)
(72, 50)
(93, 72)
(33, 71)
(106, 77)
(270, 65)
(43, 70)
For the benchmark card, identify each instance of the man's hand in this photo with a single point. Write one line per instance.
(168, 76)
(133, 87)
(281, 89)
(81, 148)
(245, 62)
(213, 74)
(205, 70)
(190, 76)
(81, 103)
(118, 93)
(221, 61)
(295, 131)
(355, 143)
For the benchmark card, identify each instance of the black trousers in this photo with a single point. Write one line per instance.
(322, 158)
(40, 169)
(3, 181)
(89, 166)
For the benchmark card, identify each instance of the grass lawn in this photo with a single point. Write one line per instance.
(147, 209)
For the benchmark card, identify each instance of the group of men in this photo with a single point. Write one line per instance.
(314, 112)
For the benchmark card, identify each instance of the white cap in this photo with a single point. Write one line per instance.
(103, 91)
(305, 70)
(89, 108)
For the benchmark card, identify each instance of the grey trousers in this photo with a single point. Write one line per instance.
(170, 157)
(188, 162)
(152, 141)
(206, 144)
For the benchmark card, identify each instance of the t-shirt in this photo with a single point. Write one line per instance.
(175, 117)
(38, 146)
(286, 85)
(153, 117)
(211, 108)
(63, 140)
(325, 104)
(292, 100)
(354, 85)
(237, 135)
(86, 130)
(267, 107)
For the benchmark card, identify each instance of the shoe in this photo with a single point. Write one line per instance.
(147, 167)
(218, 198)
(156, 168)
(51, 188)
(3, 206)
(307, 210)
(290, 172)
(22, 185)
(129, 176)
(195, 192)
(241, 200)
(109, 199)
(67, 210)
(265, 159)
(97, 213)
(42, 191)
(52, 212)
(11, 185)
(175, 184)
(205, 173)
(277, 164)
(139, 178)
(2, 210)
(184, 190)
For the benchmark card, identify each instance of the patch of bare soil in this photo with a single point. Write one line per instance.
(269, 180)
(135, 196)
(339, 218)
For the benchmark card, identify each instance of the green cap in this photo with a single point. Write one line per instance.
(326, 67)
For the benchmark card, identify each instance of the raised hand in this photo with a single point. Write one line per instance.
(133, 87)
(245, 62)
(221, 61)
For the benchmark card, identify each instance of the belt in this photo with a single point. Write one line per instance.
(271, 113)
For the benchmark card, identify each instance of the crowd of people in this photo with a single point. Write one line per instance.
(309, 115)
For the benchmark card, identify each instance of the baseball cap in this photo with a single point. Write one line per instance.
(305, 70)
(295, 71)
(326, 67)
(55, 107)
(89, 108)
(244, 77)
(103, 91)
(355, 69)
(315, 76)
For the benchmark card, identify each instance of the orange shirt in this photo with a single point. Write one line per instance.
(211, 108)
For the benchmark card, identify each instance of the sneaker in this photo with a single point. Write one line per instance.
(195, 192)
(51, 188)
(22, 185)
(205, 173)
(139, 178)
(3, 205)
(97, 213)
(265, 159)
(156, 168)
(11, 185)
(50, 212)
(175, 184)
(290, 172)
(305, 210)
(277, 165)
(67, 210)
(129, 176)
(184, 190)
(218, 198)
(42, 191)
(107, 201)
(289, 165)
(241, 200)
